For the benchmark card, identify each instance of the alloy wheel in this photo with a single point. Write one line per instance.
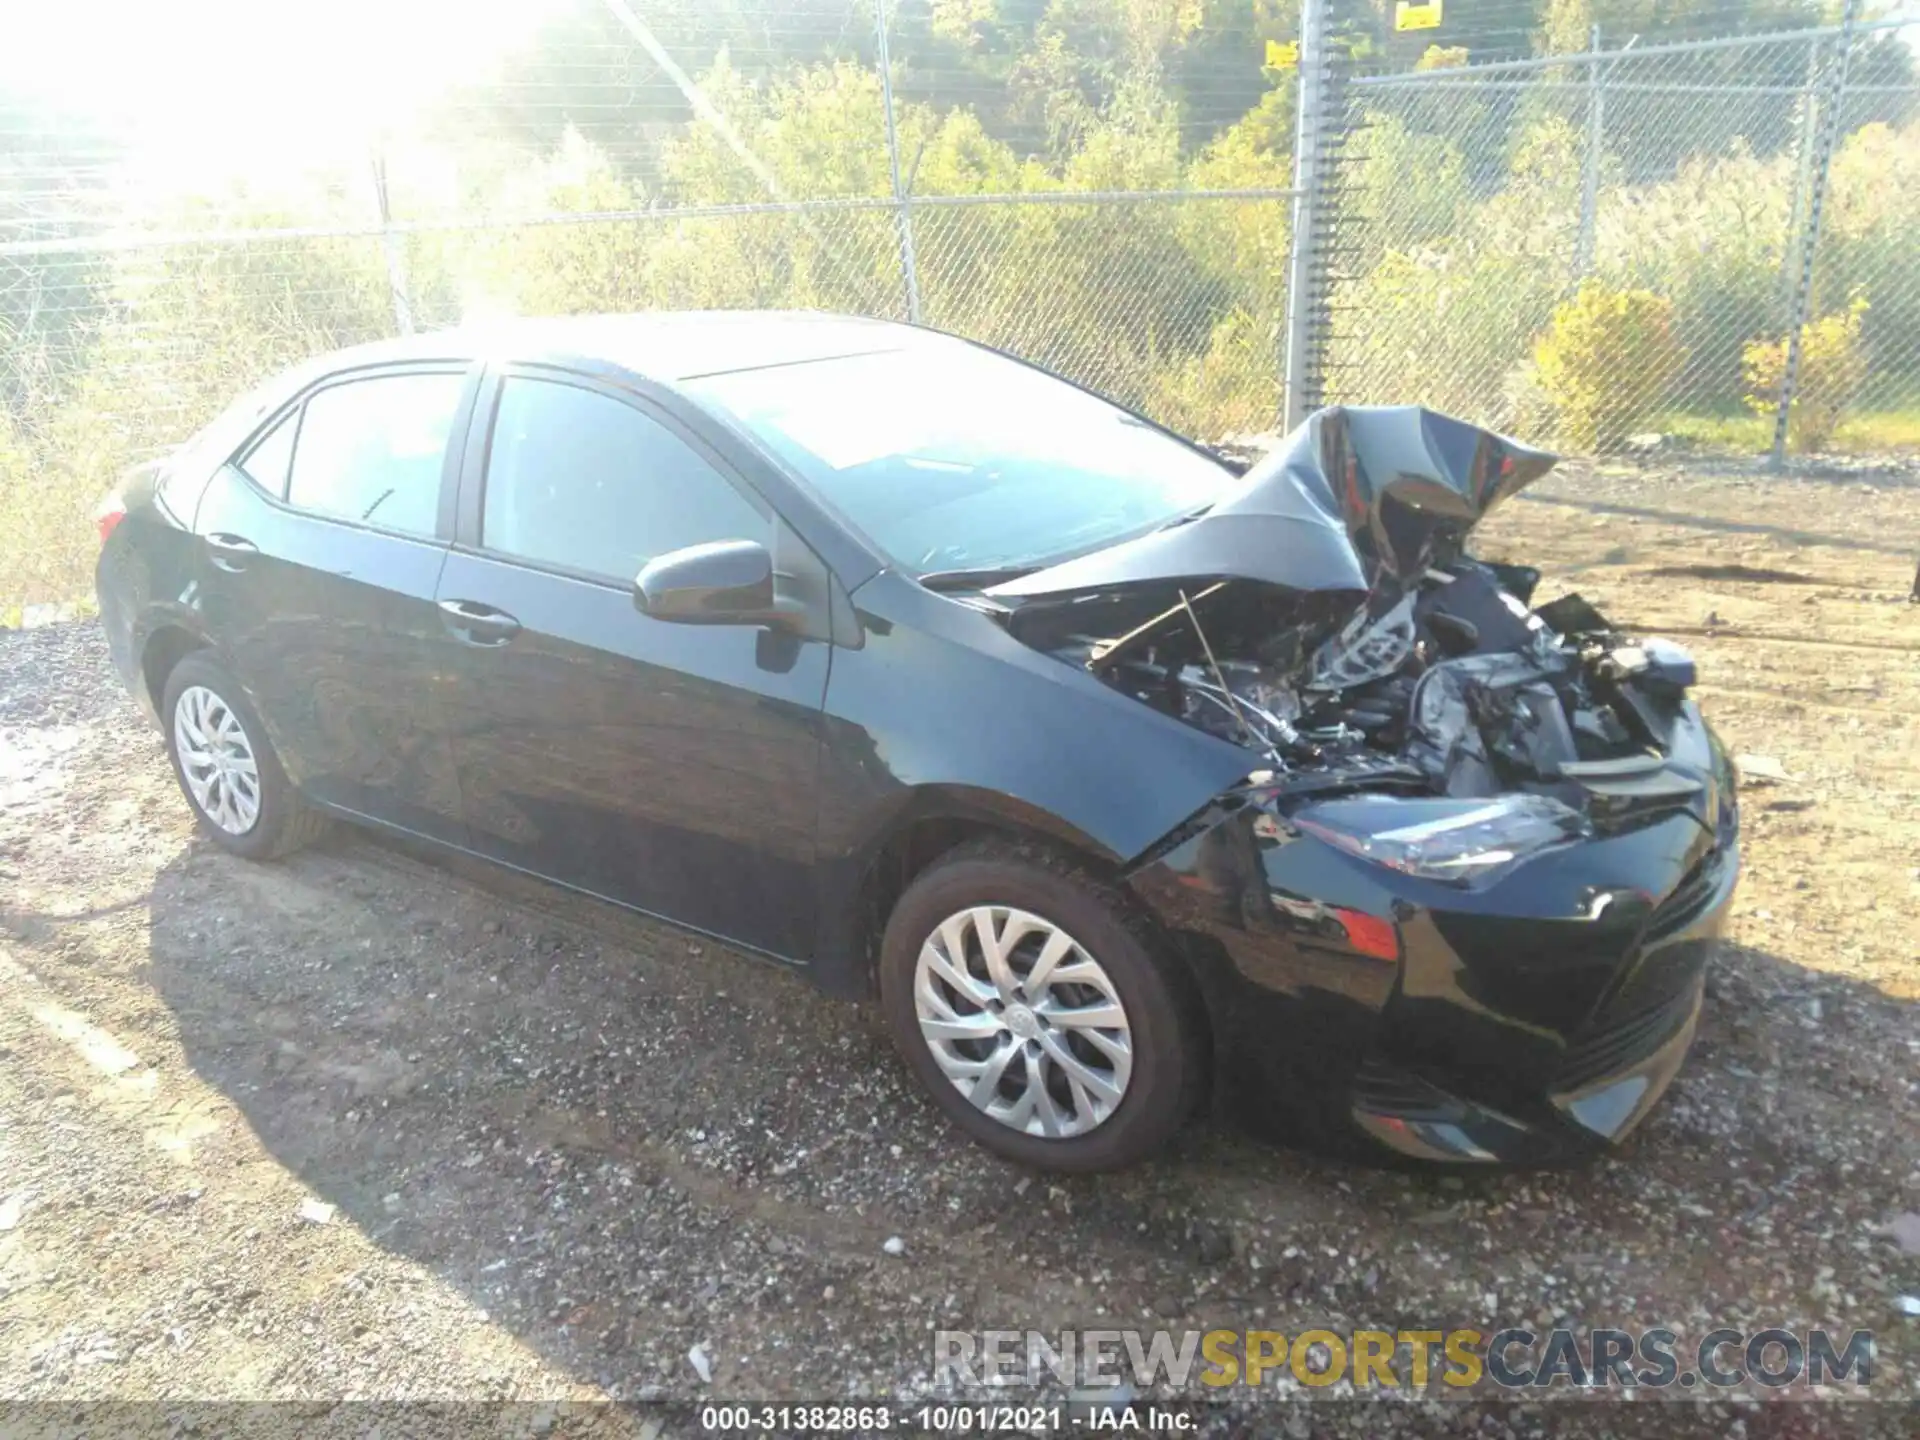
(1023, 1020)
(216, 760)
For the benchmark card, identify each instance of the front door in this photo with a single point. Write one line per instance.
(321, 547)
(670, 767)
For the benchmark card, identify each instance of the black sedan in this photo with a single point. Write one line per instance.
(1116, 770)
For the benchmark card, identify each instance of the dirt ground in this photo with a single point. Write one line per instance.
(363, 1124)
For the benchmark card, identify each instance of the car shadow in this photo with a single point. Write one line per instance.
(620, 1142)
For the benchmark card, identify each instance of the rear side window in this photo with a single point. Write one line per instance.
(372, 450)
(267, 463)
(582, 480)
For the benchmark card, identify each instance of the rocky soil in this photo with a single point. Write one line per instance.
(366, 1124)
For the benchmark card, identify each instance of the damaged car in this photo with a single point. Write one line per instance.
(1120, 773)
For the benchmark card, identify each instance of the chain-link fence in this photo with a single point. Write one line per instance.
(1680, 240)
(1105, 189)
(641, 154)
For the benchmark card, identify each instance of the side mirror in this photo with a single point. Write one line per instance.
(727, 582)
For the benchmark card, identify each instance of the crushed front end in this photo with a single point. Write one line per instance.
(1527, 1015)
(1472, 882)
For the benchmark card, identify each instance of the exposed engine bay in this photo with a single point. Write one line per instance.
(1327, 616)
(1454, 687)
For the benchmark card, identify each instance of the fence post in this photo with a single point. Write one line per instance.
(1802, 180)
(1590, 166)
(1826, 136)
(390, 244)
(902, 205)
(1306, 278)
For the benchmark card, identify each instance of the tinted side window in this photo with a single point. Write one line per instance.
(267, 463)
(580, 479)
(372, 450)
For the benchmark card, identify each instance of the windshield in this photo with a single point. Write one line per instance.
(952, 458)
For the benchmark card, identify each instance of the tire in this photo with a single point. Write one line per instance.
(278, 821)
(1071, 1127)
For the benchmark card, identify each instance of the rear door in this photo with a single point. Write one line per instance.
(670, 767)
(322, 543)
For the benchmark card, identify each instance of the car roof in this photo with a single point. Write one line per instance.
(665, 345)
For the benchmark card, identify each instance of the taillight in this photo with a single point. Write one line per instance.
(108, 514)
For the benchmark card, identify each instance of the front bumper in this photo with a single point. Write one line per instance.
(1530, 1023)
(1611, 1073)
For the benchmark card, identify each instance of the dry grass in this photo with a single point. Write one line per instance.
(49, 489)
(1869, 432)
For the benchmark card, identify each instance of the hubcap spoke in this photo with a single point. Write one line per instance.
(1059, 945)
(1083, 1103)
(993, 951)
(986, 1085)
(946, 955)
(1088, 1017)
(970, 1027)
(1033, 1108)
(994, 986)
(1079, 1073)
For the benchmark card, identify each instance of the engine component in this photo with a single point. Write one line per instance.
(1660, 664)
(1455, 687)
(1366, 649)
(1572, 615)
(1470, 593)
(1247, 701)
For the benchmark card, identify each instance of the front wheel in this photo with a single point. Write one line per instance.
(1038, 1012)
(226, 767)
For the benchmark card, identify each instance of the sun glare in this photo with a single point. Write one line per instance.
(199, 89)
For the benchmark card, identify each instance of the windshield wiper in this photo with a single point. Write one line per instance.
(974, 579)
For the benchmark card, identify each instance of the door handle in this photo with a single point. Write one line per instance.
(478, 624)
(230, 552)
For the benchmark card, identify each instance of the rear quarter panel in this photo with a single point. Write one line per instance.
(147, 576)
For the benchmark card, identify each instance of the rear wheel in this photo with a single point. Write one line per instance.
(1037, 1012)
(227, 769)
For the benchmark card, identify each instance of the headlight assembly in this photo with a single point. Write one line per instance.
(1458, 842)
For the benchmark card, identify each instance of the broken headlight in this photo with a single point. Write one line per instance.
(1459, 842)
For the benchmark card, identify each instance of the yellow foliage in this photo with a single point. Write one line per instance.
(961, 21)
(1231, 389)
(1605, 362)
(1833, 366)
(1442, 57)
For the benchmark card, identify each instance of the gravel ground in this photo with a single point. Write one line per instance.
(368, 1125)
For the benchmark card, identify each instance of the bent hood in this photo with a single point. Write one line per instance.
(1358, 496)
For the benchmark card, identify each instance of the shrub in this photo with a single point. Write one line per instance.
(192, 325)
(184, 328)
(1441, 329)
(1442, 318)
(1833, 366)
(1867, 243)
(54, 465)
(1606, 361)
(1413, 186)
(1232, 389)
(1525, 410)
(1711, 240)
(1244, 244)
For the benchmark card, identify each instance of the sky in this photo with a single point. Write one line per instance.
(214, 82)
(196, 92)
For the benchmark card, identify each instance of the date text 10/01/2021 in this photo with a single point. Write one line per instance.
(949, 1419)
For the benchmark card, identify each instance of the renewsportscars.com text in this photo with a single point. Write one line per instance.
(1460, 1359)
